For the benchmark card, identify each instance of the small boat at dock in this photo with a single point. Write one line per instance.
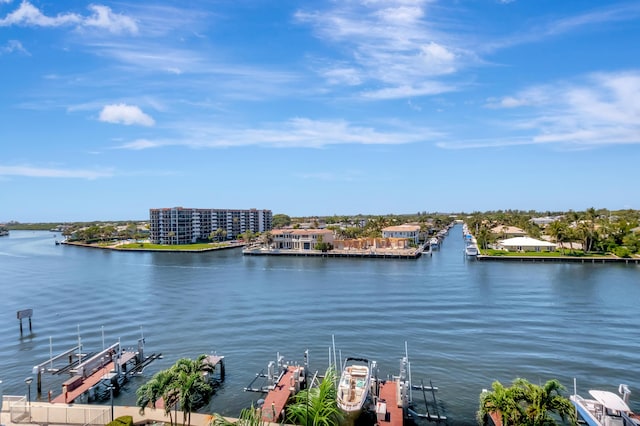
(354, 386)
(471, 250)
(606, 408)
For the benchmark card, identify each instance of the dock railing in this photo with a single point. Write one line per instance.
(45, 413)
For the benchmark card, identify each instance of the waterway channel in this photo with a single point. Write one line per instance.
(466, 323)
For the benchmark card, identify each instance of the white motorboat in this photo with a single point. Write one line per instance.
(434, 243)
(471, 250)
(354, 386)
(606, 408)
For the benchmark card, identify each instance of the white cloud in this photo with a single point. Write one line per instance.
(296, 132)
(104, 18)
(29, 15)
(596, 110)
(539, 95)
(125, 114)
(389, 46)
(140, 144)
(400, 92)
(46, 172)
(346, 76)
(13, 46)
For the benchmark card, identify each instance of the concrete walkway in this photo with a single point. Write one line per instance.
(79, 414)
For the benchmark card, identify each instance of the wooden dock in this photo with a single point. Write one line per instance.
(71, 390)
(277, 397)
(388, 411)
(67, 397)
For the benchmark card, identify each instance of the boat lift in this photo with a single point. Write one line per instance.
(275, 371)
(403, 396)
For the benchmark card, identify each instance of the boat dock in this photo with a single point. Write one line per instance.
(277, 397)
(394, 400)
(107, 369)
(388, 411)
(281, 381)
(364, 254)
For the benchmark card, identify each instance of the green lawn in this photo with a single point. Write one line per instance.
(567, 253)
(186, 247)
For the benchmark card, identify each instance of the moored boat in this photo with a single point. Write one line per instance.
(434, 243)
(606, 408)
(354, 386)
(471, 250)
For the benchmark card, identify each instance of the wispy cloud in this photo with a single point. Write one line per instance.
(297, 132)
(13, 46)
(47, 172)
(618, 12)
(102, 17)
(125, 114)
(390, 45)
(600, 109)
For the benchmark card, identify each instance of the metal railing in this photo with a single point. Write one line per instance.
(42, 413)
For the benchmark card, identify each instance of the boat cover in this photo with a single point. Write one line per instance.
(610, 400)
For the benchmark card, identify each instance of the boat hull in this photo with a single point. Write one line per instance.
(353, 388)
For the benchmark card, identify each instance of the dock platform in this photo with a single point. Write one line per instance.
(67, 397)
(388, 411)
(277, 397)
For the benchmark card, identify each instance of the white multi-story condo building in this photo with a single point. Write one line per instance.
(179, 225)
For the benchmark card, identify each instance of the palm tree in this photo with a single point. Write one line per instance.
(544, 400)
(159, 387)
(192, 385)
(185, 384)
(317, 406)
(248, 417)
(527, 404)
(501, 401)
(559, 231)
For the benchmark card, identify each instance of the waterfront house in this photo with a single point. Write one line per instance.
(371, 244)
(505, 231)
(543, 222)
(408, 232)
(525, 244)
(300, 239)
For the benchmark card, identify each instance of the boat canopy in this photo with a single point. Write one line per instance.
(610, 400)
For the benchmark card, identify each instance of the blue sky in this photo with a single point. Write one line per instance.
(108, 109)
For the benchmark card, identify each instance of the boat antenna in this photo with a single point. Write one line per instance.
(333, 340)
(575, 394)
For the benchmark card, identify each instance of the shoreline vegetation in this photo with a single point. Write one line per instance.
(584, 236)
(148, 247)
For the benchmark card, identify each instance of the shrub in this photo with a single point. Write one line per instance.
(622, 252)
(121, 421)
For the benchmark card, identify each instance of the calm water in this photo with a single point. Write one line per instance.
(466, 323)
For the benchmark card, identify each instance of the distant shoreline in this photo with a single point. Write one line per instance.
(168, 250)
(561, 259)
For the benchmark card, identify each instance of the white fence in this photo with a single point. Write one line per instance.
(61, 414)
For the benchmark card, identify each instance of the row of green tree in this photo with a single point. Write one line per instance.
(185, 386)
(596, 231)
